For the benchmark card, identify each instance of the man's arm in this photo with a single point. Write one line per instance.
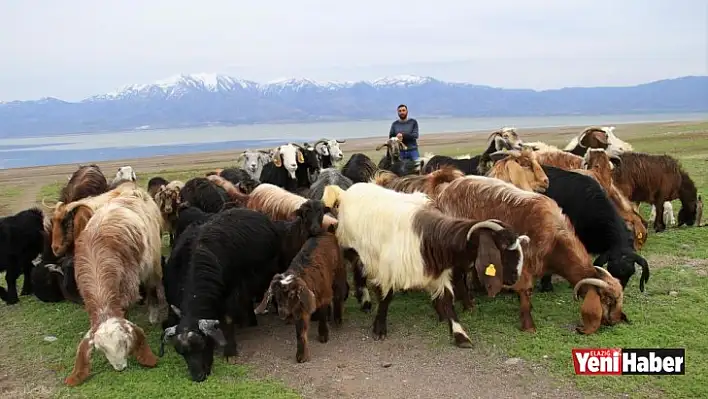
(414, 133)
(392, 132)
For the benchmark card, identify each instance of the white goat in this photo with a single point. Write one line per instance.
(253, 161)
(125, 173)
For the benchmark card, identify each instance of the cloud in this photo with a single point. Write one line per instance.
(77, 48)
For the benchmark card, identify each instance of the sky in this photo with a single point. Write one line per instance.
(73, 49)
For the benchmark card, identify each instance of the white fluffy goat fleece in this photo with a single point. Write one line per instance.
(118, 249)
(279, 204)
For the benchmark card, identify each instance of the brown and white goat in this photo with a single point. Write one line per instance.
(404, 243)
(655, 179)
(555, 247)
(168, 201)
(118, 250)
(279, 204)
(316, 281)
(599, 165)
(69, 219)
(520, 168)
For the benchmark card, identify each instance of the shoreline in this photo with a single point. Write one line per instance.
(558, 135)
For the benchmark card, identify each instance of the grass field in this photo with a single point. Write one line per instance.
(671, 313)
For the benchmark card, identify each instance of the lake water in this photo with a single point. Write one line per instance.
(81, 148)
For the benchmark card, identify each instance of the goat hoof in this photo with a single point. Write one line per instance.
(324, 338)
(303, 357)
(12, 301)
(580, 330)
(73, 380)
(462, 341)
(366, 307)
(231, 360)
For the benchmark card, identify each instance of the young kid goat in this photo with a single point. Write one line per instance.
(316, 281)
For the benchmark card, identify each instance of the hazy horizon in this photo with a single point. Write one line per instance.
(72, 50)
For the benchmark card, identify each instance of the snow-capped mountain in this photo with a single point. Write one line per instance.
(201, 99)
(180, 85)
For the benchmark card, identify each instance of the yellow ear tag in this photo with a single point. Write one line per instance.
(639, 235)
(490, 270)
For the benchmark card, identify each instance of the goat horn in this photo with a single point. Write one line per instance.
(176, 310)
(604, 272)
(341, 141)
(492, 224)
(320, 141)
(48, 206)
(591, 281)
(494, 133)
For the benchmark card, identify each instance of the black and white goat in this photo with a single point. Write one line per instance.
(329, 151)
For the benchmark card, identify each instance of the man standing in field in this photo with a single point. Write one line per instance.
(406, 129)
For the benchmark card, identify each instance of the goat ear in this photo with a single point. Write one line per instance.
(381, 146)
(141, 350)
(488, 264)
(300, 157)
(615, 160)
(276, 158)
(307, 299)
(591, 312)
(262, 308)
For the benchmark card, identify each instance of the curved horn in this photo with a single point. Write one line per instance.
(604, 272)
(386, 144)
(340, 141)
(176, 310)
(320, 141)
(590, 281)
(492, 224)
(494, 133)
(48, 206)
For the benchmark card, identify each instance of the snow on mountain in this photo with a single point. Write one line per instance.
(178, 85)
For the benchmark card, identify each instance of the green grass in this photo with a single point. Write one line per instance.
(659, 319)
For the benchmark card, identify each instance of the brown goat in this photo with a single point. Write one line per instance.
(423, 183)
(279, 204)
(520, 168)
(168, 201)
(555, 247)
(316, 281)
(655, 179)
(591, 137)
(599, 165)
(70, 219)
(118, 250)
(560, 159)
(87, 181)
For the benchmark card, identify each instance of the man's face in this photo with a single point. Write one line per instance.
(402, 112)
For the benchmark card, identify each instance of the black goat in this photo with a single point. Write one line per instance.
(597, 224)
(240, 178)
(203, 194)
(21, 240)
(232, 262)
(359, 168)
(468, 166)
(186, 215)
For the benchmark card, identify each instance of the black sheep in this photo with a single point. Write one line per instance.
(21, 241)
(186, 215)
(597, 224)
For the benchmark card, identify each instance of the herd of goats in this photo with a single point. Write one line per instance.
(279, 233)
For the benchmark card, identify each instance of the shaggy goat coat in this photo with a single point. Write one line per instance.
(119, 248)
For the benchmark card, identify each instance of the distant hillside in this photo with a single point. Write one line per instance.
(208, 100)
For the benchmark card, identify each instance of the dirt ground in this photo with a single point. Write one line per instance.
(399, 367)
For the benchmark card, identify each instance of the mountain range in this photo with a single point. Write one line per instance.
(216, 100)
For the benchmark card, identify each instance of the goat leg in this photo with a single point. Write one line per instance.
(545, 284)
(361, 292)
(524, 289)
(231, 348)
(27, 281)
(302, 325)
(11, 276)
(380, 327)
(444, 306)
(659, 225)
(323, 328)
(459, 278)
